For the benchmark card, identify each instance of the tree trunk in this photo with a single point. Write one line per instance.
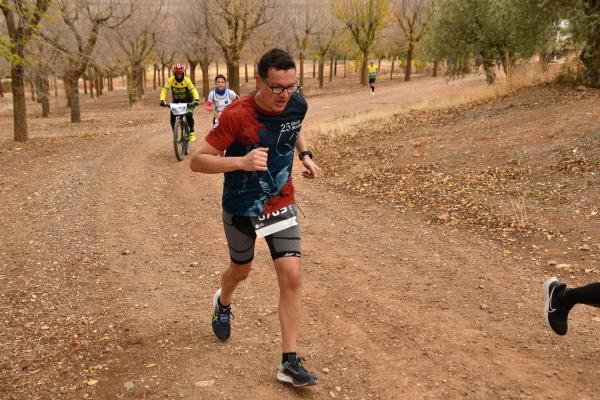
(162, 74)
(321, 68)
(301, 62)
(435, 68)
(84, 84)
(75, 112)
(331, 61)
(144, 79)
(246, 72)
(193, 72)
(92, 80)
(1, 88)
(140, 81)
(19, 105)
(55, 84)
(98, 83)
(38, 86)
(44, 94)
(545, 58)
(314, 66)
(335, 68)
(204, 65)
(233, 74)
(32, 87)
(67, 88)
(392, 69)
(155, 68)
(345, 75)
(409, 60)
(363, 68)
(379, 64)
(507, 64)
(488, 67)
(132, 84)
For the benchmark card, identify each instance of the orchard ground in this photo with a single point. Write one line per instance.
(425, 246)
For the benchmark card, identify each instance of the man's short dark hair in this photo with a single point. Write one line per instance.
(275, 58)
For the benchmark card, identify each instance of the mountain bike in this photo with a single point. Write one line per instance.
(181, 128)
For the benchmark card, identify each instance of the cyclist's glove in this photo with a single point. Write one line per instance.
(196, 103)
(163, 103)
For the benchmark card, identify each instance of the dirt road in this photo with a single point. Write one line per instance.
(111, 252)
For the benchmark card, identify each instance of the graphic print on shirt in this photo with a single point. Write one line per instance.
(243, 128)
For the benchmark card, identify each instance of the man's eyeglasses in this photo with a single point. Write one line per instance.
(279, 89)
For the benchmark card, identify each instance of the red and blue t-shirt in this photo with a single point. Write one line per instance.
(242, 127)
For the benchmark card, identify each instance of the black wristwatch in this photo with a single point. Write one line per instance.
(305, 153)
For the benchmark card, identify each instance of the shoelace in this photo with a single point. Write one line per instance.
(296, 366)
(225, 315)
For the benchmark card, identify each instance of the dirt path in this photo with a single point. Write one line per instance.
(111, 252)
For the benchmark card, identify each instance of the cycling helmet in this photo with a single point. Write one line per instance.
(178, 69)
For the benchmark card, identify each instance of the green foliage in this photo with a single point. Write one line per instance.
(488, 30)
(584, 26)
(7, 53)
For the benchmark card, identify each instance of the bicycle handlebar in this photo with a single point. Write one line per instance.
(192, 104)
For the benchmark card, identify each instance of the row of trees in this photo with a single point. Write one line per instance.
(69, 37)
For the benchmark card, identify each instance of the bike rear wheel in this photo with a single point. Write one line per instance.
(180, 141)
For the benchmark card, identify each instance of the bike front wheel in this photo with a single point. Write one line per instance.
(180, 141)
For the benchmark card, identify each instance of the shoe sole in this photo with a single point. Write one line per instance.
(288, 379)
(547, 284)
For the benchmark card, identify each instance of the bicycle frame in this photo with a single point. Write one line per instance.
(181, 143)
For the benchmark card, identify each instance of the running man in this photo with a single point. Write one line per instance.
(221, 97)
(558, 301)
(182, 91)
(372, 70)
(259, 133)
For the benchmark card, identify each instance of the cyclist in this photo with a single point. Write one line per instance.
(372, 70)
(221, 97)
(260, 132)
(182, 91)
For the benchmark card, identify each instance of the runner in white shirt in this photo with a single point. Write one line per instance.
(221, 97)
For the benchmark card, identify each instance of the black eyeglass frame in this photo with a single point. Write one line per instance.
(279, 89)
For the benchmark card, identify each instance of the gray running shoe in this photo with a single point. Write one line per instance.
(293, 372)
(221, 320)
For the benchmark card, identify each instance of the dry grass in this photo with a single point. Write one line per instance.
(463, 96)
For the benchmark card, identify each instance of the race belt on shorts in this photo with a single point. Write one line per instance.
(276, 221)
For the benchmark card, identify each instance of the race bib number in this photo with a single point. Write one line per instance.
(179, 108)
(274, 222)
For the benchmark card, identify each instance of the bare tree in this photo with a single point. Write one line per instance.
(135, 40)
(303, 25)
(84, 19)
(323, 45)
(22, 19)
(412, 17)
(201, 48)
(231, 23)
(364, 19)
(43, 58)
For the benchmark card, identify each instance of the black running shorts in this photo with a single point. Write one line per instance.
(241, 238)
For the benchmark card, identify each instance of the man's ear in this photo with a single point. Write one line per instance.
(257, 79)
